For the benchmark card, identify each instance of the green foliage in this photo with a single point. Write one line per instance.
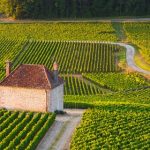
(79, 86)
(74, 8)
(138, 98)
(17, 41)
(9, 49)
(106, 129)
(138, 34)
(23, 130)
(72, 57)
(59, 31)
(119, 81)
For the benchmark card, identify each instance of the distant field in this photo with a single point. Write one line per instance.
(32, 43)
(139, 34)
(59, 31)
(23, 130)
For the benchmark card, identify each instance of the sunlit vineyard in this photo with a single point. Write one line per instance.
(80, 86)
(138, 98)
(72, 57)
(118, 103)
(23, 130)
(104, 129)
(59, 31)
(139, 34)
(9, 50)
(119, 81)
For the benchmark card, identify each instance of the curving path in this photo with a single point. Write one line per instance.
(130, 53)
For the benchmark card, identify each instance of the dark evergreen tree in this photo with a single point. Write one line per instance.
(74, 8)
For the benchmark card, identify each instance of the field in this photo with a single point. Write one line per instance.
(80, 86)
(139, 34)
(72, 57)
(119, 81)
(138, 98)
(23, 130)
(16, 38)
(59, 31)
(106, 129)
(114, 121)
(9, 49)
(118, 102)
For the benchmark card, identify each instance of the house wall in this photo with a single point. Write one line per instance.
(23, 99)
(56, 99)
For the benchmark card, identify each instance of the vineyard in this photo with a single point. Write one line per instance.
(117, 120)
(72, 57)
(79, 86)
(23, 130)
(9, 49)
(139, 34)
(104, 129)
(119, 81)
(118, 103)
(135, 99)
(59, 31)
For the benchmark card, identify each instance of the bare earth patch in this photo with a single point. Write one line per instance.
(59, 135)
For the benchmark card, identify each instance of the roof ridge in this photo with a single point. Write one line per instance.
(33, 76)
(46, 74)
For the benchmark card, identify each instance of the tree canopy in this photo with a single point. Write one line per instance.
(74, 8)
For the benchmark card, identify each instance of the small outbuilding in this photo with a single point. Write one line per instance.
(32, 88)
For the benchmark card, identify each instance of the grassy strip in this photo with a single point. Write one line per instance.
(140, 61)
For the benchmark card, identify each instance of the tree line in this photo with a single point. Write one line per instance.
(39, 9)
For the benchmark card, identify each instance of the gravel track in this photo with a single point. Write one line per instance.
(59, 135)
(130, 53)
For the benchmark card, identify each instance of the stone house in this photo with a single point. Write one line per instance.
(32, 88)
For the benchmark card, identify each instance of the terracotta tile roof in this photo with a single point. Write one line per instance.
(31, 76)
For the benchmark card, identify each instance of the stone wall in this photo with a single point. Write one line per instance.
(56, 99)
(23, 99)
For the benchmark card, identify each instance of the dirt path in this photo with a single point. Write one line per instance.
(130, 53)
(11, 20)
(59, 135)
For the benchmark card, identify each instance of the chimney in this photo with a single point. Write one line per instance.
(8, 68)
(55, 72)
